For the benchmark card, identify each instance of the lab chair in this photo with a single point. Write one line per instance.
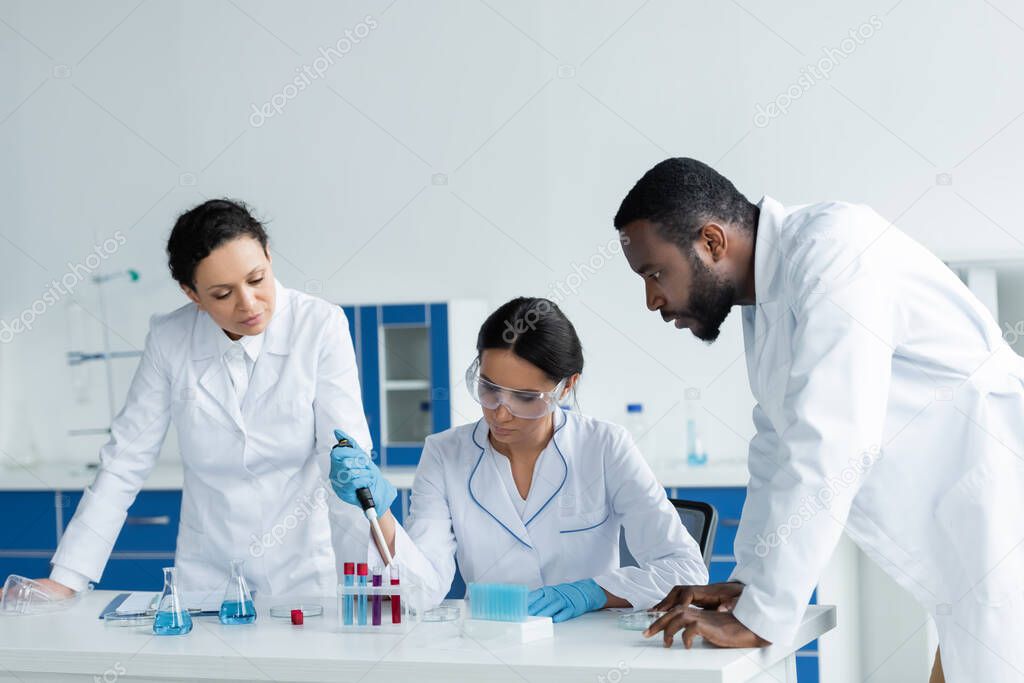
(699, 518)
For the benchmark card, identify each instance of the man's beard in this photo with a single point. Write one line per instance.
(711, 299)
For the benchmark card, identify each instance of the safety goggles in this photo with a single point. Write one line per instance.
(526, 404)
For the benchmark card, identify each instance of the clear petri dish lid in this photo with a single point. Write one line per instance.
(442, 613)
(113, 619)
(285, 611)
(639, 620)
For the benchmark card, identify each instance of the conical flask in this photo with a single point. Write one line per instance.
(237, 607)
(172, 618)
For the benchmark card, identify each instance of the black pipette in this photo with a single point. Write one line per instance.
(370, 510)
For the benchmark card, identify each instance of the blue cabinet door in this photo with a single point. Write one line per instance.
(368, 358)
(440, 392)
(34, 567)
(412, 394)
(151, 525)
(146, 543)
(134, 573)
(28, 535)
(807, 669)
(29, 520)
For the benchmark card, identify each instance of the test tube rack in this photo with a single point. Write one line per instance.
(373, 609)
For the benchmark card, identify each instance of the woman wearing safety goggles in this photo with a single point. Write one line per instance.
(532, 493)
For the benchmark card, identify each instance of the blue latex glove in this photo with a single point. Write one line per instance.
(351, 469)
(566, 601)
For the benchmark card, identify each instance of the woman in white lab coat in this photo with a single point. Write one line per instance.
(253, 376)
(533, 494)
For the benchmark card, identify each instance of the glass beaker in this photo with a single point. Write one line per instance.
(172, 618)
(237, 607)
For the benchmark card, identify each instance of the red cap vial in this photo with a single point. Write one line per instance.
(350, 567)
(363, 569)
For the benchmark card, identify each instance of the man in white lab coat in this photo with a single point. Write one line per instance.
(888, 407)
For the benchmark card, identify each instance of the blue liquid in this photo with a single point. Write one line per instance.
(347, 602)
(235, 612)
(172, 623)
(362, 601)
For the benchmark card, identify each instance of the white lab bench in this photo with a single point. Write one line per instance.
(75, 645)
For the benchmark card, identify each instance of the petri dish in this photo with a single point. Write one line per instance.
(639, 620)
(442, 613)
(285, 611)
(113, 619)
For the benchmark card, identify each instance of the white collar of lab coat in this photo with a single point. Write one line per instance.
(251, 345)
(488, 492)
(209, 339)
(767, 255)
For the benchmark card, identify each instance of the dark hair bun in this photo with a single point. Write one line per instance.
(537, 331)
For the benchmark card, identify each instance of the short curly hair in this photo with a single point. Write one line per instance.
(680, 195)
(202, 229)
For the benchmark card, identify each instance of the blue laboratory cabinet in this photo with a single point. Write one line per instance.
(404, 367)
(145, 545)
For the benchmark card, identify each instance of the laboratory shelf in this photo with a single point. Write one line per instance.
(403, 355)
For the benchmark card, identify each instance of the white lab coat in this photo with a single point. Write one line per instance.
(888, 406)
(589, 481)
(254, 475)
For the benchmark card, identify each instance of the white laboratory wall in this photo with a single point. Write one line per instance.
(473, 150)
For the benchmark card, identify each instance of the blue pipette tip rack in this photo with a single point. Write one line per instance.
(497, 601)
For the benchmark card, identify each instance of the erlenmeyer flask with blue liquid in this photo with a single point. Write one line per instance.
(237, 607)
(172, 617)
